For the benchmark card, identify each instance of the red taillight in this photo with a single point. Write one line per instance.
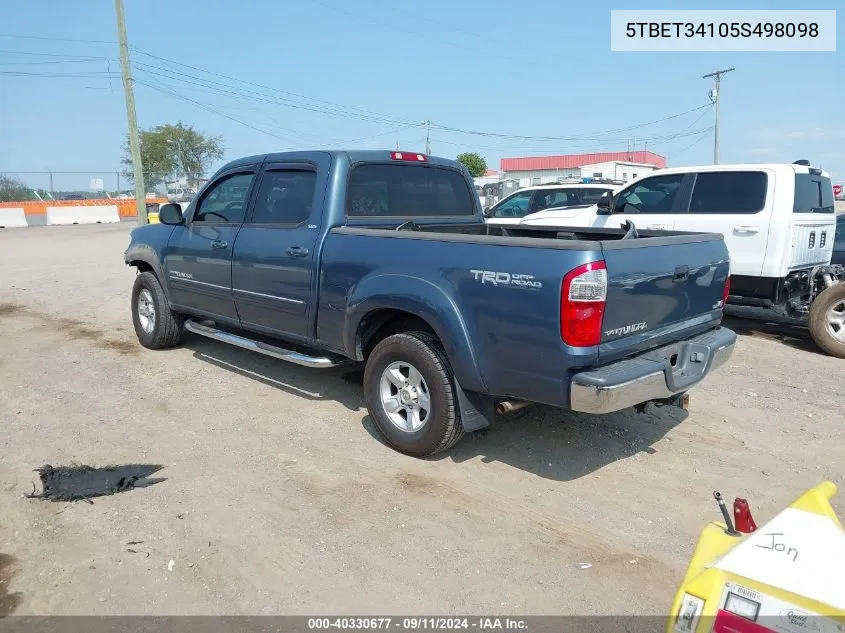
(419, 158)
(726, 291)
(582, 299)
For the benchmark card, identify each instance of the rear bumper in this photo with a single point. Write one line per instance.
(653, 375)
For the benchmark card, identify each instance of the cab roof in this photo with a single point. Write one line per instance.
(354, 156)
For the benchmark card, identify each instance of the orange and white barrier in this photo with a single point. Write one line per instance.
(61, 212)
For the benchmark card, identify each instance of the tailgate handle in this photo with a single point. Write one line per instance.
(681, 273)
(746, 229)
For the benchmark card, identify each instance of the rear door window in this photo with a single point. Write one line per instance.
(284, 197)
(813, 194)
(729, 192)
(408, 191)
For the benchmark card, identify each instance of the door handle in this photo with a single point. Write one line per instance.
(297, 251)
(219, 244)
(657, 227)
(746, 229)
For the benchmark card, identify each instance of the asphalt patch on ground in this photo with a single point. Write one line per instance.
(73, 483)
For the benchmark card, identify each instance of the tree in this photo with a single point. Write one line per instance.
(474, 163)
(14, 190)
(169, 152)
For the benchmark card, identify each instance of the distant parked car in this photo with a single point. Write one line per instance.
(838, 256)
(74, 196)
(538, 198)
(180, 194)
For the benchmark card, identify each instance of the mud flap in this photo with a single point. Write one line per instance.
(477, 411)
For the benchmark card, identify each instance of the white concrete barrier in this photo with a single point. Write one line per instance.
(12, 216)
(83, 214)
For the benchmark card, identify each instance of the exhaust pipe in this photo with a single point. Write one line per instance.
(508, 406)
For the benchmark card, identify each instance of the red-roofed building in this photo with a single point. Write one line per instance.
(621, 166)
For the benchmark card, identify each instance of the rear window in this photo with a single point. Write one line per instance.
(813, 194)
(407, 191)
(729, 192)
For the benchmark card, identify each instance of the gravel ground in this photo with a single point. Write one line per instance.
(279, 499)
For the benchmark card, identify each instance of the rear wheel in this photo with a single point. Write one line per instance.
(156, 325)
(411, 396)
(827, 320)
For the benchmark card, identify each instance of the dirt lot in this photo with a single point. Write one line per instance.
(279, 499)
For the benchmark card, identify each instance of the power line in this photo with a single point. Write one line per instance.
(427, 37)
(353, 112)
(55, 39)
(486, 38)
(253, 95)
(86, 75)
(207, 108)
(701, 137)
(587, 137)
(34, 54)
(258, 85)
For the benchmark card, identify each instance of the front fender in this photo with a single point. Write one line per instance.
(148, 255)
(427, 301)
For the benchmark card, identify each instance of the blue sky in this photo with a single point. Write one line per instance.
(366, 73)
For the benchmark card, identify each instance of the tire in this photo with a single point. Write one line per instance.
(440, 428)
(827, 320)
(160, 329)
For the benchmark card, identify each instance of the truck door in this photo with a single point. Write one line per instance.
(738, 204)
(275, 256)
(651, 203)
(198, 258)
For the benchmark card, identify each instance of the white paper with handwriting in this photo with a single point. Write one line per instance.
(796, 551)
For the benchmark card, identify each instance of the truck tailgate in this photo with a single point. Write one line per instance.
(661, 290)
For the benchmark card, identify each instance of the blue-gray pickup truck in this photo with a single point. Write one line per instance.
(323, 258)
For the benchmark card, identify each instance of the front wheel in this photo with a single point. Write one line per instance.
(156, 325)
(827, 320)
(411, 395)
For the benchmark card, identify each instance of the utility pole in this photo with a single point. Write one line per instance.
(715, 96)
(129, 94)
(427, 125)
(51, 180)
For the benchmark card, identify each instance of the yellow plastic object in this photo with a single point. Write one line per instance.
(152, 218)
(706, 587)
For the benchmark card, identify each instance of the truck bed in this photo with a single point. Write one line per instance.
(502, 288)
(588, 238)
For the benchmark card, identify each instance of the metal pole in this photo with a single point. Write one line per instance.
(117, 173)
(51, 183)
(717, 95)
(428, 137)
(716, 124)
(134, 140)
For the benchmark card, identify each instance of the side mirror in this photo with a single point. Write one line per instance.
(170, 214)
(604, 205)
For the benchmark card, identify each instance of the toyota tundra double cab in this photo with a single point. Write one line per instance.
(380, 258)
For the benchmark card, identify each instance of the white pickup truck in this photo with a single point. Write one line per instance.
(777, 220)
